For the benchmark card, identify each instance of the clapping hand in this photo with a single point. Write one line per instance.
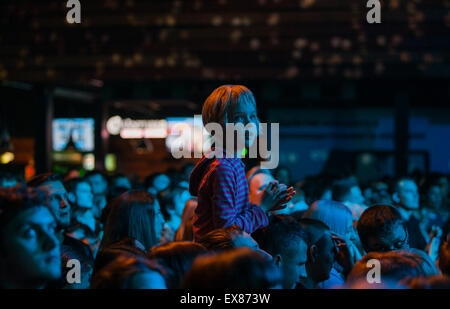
(276, 196)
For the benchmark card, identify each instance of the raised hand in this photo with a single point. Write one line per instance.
(343, 255)
(276, 196)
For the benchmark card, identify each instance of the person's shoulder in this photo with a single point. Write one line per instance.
(226, 162)
(226, 166)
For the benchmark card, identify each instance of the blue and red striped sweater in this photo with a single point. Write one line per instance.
(222, 190)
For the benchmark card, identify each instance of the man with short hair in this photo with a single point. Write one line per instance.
(406, 198)
(58, 203)
(381, 229)
(349, 193)
(321, 252)
(99, 184)
(287, 242)
(83, 225)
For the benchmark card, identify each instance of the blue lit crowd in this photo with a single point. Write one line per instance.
(224, 223)
(141, 235)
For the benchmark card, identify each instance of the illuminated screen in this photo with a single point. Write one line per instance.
(80, 129)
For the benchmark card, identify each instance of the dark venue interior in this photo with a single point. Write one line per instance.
(98, 97)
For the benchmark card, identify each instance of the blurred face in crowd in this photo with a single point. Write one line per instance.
(355, 195)
(396, 239)
(31, 252)
(367, 194)
(408, 195)
(380, 194)
(7, 182)
(123, 182)
(321, 258)
(180, 201)
(58, 201)
(256, 187)
(187, 172)
(434, 197)
(83, 196)
(245, 113)
(293, 264)
(161, 182)
(98, 184)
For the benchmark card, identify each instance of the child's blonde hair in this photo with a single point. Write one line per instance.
(222, 100)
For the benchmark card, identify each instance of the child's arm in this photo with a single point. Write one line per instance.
(230, 206)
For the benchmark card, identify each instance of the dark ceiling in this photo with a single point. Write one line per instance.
(160, 58)
(223, 40)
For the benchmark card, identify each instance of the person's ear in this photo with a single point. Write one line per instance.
(313, 254)
(71, 197)
(277, 260)
(395, 197)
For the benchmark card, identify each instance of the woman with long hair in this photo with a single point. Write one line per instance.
(133, 227)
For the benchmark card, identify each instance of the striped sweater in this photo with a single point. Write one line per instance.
(222, 190)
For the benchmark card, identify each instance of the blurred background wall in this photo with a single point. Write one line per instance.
(372, 99)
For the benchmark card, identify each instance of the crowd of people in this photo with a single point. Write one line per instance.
(224, 223)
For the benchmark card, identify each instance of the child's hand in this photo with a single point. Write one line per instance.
(276, 196)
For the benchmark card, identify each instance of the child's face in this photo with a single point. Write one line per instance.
(245, 113)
